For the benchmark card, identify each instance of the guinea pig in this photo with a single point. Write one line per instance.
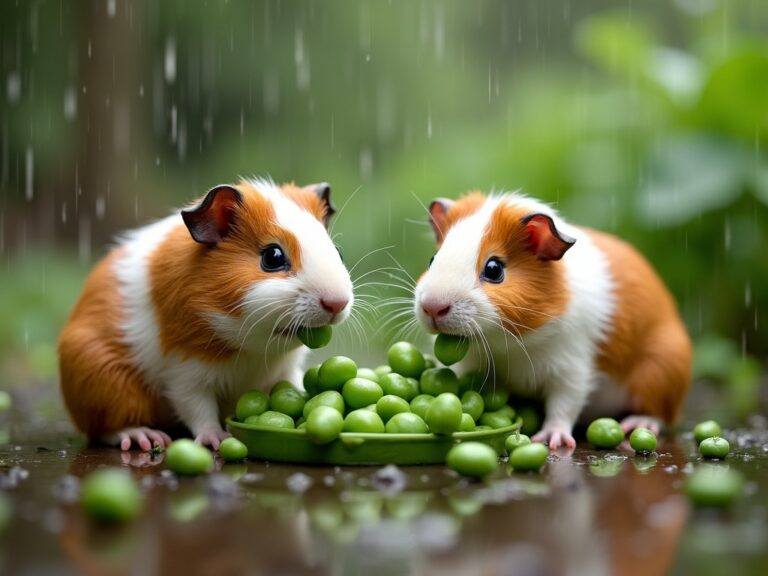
(185, 314)
(574, 316)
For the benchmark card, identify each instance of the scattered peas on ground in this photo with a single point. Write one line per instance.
(529, 457)
(110, 495)
(714, 447)
(713, 486)
(642, 441)
(706, 429)
(514, 441)
(605, 433)
(473, 459)
(232, 450)
(186, 457)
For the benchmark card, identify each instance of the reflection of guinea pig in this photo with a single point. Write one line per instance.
(563, 311)
(187, 313)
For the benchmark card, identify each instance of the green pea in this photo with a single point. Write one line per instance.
(185, 457)
(406, 423)
(471, 381)
(368, 374)
(437, 381)
(531, 420)
(330, 398)
(509, 411)
(496, 419)
(495, 399)
(6, 401)
(383, 369)
(429, 362)
(449, 349)
(605, 433)
(472, 403)
(311, 380)
(444, 414)
(707, 429)
(714, 447)
(315, 337)
(713, 486)
(282, 385)
(420, 404)
(302, 426)
(467, 423)
(324, 424)
(642, 441)
(232, 450)
(406, 388)
(110, 495)
(473, 459)
(335, 371)
(360, 392)
(389, 405)
(288, 401)
(273, 419)
(514, 441)
(363, 421)
(530, 457)
(252, 403)
(406, 359)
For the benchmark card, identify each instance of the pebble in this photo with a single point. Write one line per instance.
(389, 479)
(299, 483)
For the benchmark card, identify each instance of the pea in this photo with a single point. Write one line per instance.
(311, 380)
(449, 349)
(288, 401)
(406, 423)
(444, 414)
(436, 381)
(110, 495)
(185, 457)
(389, 405)
(529, 457)
(420, 404)
(406, 359)
(707, 429)
(360, 392)
(5, 401)
(467, 423)
(605, 433)
(406, 388)
(472, 404)
(514, 441)
(473, 459)
(495, 399)
(429, 362)
(471, 381)
(335, 371)
(273, 419)
(531, 420)
(383, 369)
(302, 426)
(252, 403)
(328, 398)
(232, 450)
(282, 385)
(496, 419)
(713, 486)
(368, 374)
(642, 441)
(324, 424)
(714, 447)
(363, 421)
(315, 337)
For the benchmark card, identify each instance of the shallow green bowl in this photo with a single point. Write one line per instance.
(283, 445)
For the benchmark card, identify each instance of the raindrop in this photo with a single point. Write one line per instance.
(70, 103)
(29, 171)
(302, 62)
(169, 65)
(101, 207)
(84, 240)
(271, 90)
(298, 483)
(366, 163)
(111, 8)
(13, 86)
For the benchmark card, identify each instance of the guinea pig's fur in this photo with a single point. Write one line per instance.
(580, 318)
(181, 317)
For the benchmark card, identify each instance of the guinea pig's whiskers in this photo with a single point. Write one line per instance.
(337, 217)
(518, 338)
(371, 253)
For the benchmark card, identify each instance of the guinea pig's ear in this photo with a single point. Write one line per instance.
(212, 219)
(323, 192)
(544, 239)
(438, 216)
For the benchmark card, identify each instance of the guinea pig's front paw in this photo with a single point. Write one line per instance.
(211, 437)
(141, 436)
(556, 435)
(640, 421)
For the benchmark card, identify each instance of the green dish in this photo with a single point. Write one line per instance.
(357, 449)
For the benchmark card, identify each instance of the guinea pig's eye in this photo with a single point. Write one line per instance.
(493, 271)
(273, 259)
(432, 259)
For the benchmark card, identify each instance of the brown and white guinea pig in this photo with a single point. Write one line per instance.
(189, 312)
(572, 315)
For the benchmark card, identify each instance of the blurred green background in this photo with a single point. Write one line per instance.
(647, 119)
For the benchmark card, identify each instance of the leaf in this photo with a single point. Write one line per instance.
(619, 42)
(714, 357)
(690, 175)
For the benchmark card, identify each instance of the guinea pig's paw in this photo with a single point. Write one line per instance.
(556, 435)
(211, 437)
(640, 421)
(141, 436)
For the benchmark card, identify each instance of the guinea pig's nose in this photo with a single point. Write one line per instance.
(435, 308)
(333, 306)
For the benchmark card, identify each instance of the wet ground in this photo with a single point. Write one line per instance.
(588, 513)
